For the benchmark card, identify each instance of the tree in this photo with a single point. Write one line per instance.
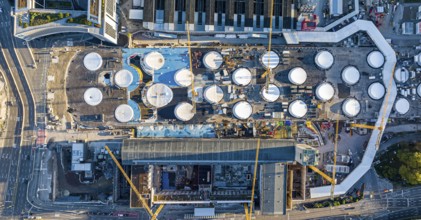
(60, 15)
(318, 205)
(48, 18)
(70, 20)
(25, 25)
(336, 203)
(410, 170)
(67, 14)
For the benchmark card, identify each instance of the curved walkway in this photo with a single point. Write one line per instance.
(388, 69)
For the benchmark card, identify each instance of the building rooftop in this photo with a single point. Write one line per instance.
(273, 189)
(205, 151)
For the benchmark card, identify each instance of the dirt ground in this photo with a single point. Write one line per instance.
(58, 70)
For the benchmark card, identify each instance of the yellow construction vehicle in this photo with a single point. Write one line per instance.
(142, 200)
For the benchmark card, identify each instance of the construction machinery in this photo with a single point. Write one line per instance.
(133, 187)
(380, 128)
(386, 98)
(249, 211)
(371, 127)
(324, 175)
(269, 70)
(193, 91)
(335, 150)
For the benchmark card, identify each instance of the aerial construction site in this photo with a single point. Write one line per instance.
(220, 109)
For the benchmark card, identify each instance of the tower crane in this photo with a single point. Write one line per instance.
(142, 200)
(249, 210)
(335, 150)
(193, 91)
(269, 70)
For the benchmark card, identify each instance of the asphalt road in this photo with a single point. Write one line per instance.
(8, 141)
(20, 168)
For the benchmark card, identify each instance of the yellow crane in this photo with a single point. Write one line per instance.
(193, 91)
(249, 212)
(366, 126)
(380, 128)
(269, 70)
(335, 150)
(386, 98)
(142, 200)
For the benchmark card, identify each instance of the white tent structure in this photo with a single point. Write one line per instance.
(123, 78)
(242, 110)
(241, 77)
(212, 60)
(213, 94)
(124, 113)
(375, 59)
(325, 91)
(184, 111)
(92, 96)
(183, 77)
(376, 91)
(270, 60)
(297, 76)
(297, 109)
(350, 75)
(402, 106)
(270, 93)
(158, 95)
(351, 107)
(92, 61)
(401, 75)
(324, 59)
(154, 60)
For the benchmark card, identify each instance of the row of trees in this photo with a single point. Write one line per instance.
(36, 18)
(336, 202)
(80, 20)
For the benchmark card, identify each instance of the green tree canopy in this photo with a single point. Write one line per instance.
(410, 169)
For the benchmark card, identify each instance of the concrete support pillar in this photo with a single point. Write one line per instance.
(248, 25)
(229, 15)
(210, 15)
(169, 15)
(190, 9)
(149, 15)
(266, 14)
